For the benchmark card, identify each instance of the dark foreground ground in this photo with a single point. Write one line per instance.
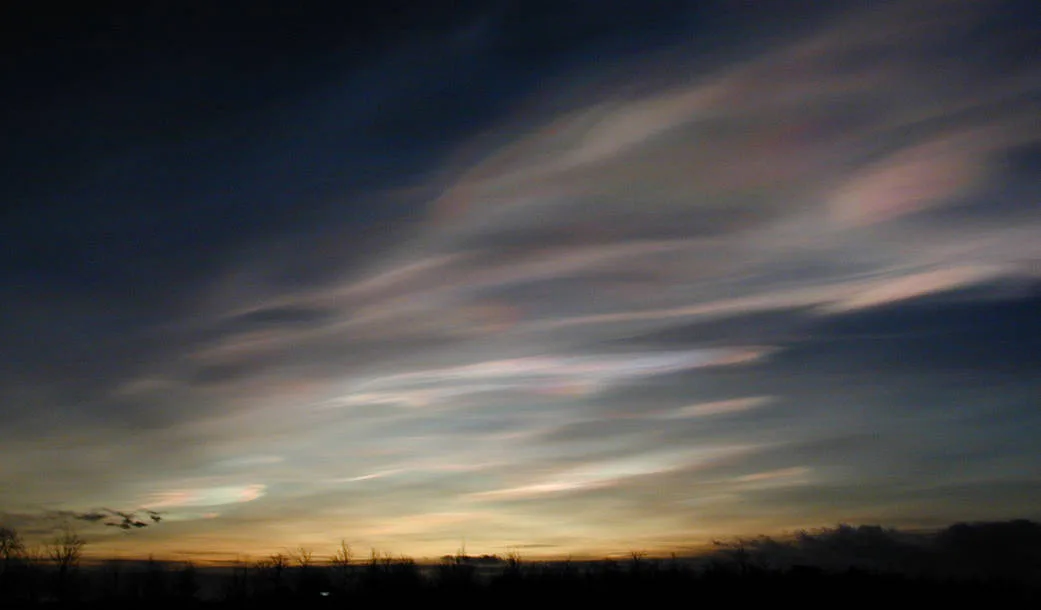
(990, 564)
(461, 583)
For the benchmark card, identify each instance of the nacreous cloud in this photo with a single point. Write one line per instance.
(613, 326)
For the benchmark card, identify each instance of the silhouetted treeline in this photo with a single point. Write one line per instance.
(992, 563)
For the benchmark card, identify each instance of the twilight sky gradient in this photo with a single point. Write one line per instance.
(567, 277)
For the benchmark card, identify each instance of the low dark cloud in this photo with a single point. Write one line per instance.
(1007, 550)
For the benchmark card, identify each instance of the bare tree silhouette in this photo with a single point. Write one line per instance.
(279, 563)
(66, 549)
(271, 570)
(343, 556)
(303, 557)
(341, 563)
(11, 548)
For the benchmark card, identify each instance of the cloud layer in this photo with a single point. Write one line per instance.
(727, 288)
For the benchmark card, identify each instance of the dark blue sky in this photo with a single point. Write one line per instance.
(581, 275)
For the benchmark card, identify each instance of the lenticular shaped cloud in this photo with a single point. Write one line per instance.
(601, 474)
(945, 170)
(204, 496)
(535, 374)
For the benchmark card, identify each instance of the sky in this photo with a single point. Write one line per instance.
(563, 278)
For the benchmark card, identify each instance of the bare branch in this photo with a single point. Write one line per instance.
(304, 557)
(66, 549)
